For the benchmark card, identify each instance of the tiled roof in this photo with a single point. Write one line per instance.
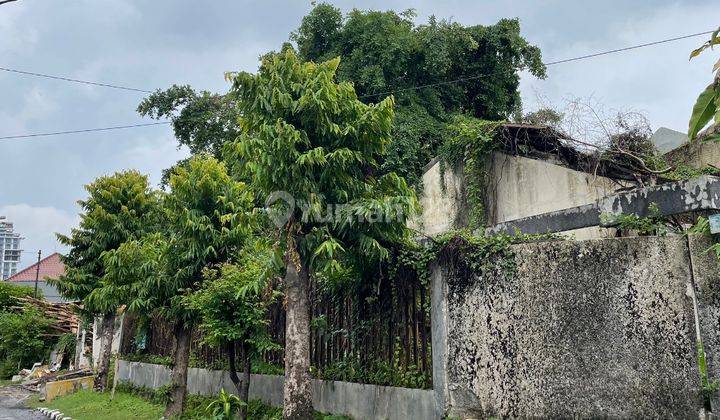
(50, 267)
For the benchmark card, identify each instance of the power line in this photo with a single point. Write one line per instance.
(649, 44)
(447, 82)
(87, 130)
(583, 57)
(551, 63)
(67, 79)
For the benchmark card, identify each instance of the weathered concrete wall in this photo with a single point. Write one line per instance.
(706, 276)
(516, 187)
(359, 401)
(601, 328)
(696, 154)
(442, 205)
(117, 337)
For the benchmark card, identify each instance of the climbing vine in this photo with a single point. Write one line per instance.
(469, 143)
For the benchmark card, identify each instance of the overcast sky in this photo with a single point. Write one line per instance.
(153, 44)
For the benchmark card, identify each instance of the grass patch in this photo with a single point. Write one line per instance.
(89, 405)
(143, 403)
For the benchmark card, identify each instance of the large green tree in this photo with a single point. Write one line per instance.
(314, 150)
(119, 208)
(202, 121)
(206, 216)
(433, 70)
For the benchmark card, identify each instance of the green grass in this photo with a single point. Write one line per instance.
(89, 405)
(129, 404)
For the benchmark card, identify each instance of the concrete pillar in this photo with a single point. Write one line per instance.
(439, 320)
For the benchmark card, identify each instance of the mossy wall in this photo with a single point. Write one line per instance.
(578, 329)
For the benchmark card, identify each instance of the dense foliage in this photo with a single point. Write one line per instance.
(461, 69)
(201, 121)
(232, 301)
(206, 216)
(308, 136)
(9, 293)
(22, 340)
(21, 331)
(119, 208)
(310, 141)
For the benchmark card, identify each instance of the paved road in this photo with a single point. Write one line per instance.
(11, 405)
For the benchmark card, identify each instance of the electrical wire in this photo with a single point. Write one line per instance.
(447, 82)
(67, 79)
(87, 130)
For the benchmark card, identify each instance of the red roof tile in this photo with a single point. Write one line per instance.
(50, 266)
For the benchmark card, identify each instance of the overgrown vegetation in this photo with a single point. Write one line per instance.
(651, 225)
(702, 227)
(310, 147)
(468, 145)
(232, 307)
(322, 133)
(23, 340)
(9, 293)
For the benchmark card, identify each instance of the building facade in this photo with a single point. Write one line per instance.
(50, 267)
(9, 249)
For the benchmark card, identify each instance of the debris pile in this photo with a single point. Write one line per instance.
(36, 378)
(62, 315)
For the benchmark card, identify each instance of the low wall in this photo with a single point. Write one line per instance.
(598, 328)
(359, 401)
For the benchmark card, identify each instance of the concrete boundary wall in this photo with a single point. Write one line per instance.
(599, 328)
(359, 401)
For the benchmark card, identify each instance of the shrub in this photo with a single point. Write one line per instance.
(10, 292)
(21, 340)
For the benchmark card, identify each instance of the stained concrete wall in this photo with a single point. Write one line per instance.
(359, 401)
(516, 187)
(599, 328)
(97, 333)
(706, 276)
(696, 154)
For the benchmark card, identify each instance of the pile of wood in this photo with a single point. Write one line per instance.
(62, 315)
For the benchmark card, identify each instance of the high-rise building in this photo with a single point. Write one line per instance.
(9, 249)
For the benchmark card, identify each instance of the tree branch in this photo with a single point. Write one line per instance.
(5, 1)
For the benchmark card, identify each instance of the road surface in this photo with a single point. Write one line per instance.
(12, 407)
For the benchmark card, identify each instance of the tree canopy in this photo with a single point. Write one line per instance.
(313, 149)
(306, 135)
(459, 69)
(119, 208)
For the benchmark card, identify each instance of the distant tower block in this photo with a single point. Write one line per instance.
(9, 249)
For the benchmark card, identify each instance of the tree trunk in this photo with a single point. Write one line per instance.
(231, 364)
(178, 379)
(245, 390)
(106, 340)
(297, 393)
(242, 387)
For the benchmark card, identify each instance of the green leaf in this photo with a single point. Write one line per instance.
(703, 111)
